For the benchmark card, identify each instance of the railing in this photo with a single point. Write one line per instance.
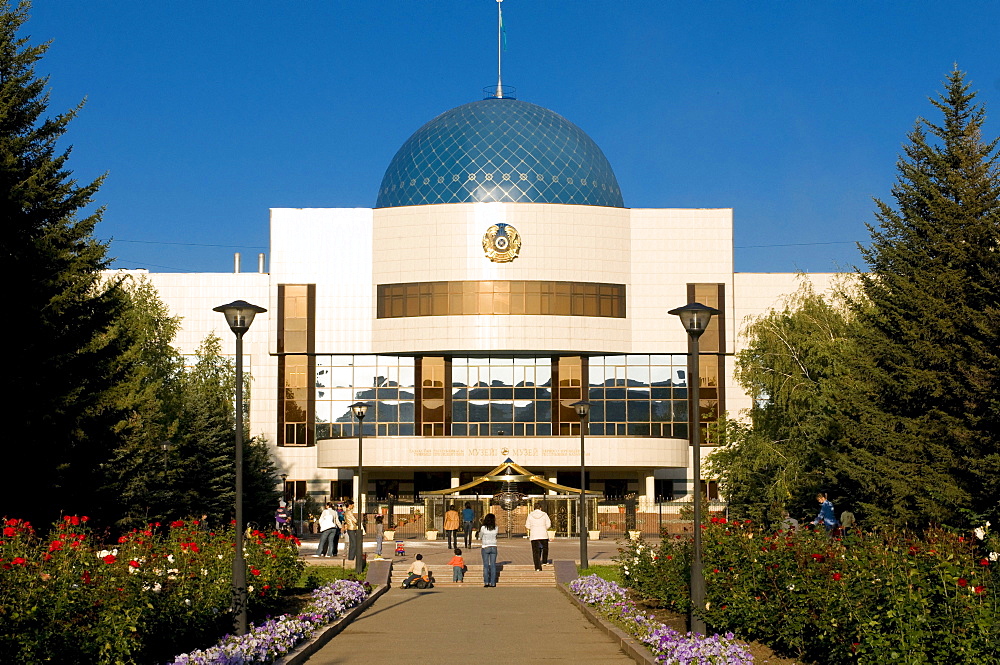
(612, 518)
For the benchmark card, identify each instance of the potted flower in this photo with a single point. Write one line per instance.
(431, 534)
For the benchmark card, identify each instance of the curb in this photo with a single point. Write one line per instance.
(632, 647)
(302, 651)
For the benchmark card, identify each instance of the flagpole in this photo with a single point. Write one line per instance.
(499, 49)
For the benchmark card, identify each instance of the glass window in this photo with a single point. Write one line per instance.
(500, 297)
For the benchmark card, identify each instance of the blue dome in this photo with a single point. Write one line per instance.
(499, 149)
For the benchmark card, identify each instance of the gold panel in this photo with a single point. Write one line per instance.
(501, 297)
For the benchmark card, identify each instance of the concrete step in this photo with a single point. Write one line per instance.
(509, 575)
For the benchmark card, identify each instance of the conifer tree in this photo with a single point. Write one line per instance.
(139, 479)
(62, 358)
(927, 445)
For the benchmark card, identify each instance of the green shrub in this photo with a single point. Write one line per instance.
(883, 596)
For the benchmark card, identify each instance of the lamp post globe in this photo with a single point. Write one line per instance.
(695, 318)
(582, 409)
(360, 410)
(239, 315)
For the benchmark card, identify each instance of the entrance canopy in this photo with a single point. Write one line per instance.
(511, 472)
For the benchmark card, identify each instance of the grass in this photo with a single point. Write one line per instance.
(317, 576)
(609, 573)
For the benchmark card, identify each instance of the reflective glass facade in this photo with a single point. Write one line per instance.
(386, 383)
(638, 395)
(501, 396)
(635, 395)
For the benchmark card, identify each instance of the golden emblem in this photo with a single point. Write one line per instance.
(501, 242)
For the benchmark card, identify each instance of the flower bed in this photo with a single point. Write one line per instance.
(276, 637)
(668, 645)
(883, 596)
(70, 598)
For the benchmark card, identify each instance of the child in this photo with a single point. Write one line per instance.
(417, 570)
(457, 564)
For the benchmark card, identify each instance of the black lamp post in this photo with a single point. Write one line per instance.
(695, 318)
(583, 410)
(360, 409)
(239, 315)
(165, 447)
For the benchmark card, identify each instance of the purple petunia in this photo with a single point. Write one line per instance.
(668, 645)
(275, 637)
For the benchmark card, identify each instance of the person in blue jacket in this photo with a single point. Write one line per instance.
(825, 516)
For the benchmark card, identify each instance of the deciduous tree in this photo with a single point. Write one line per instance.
(796, 363)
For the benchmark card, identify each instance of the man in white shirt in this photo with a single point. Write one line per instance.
(538, 525)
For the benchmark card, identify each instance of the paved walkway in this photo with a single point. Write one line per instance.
(471, 624)
(459, 625)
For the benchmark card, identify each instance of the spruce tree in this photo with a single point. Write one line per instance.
(152, 387)
(62, 357)
(927, 441)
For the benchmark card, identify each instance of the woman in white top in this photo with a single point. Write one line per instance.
(488, 544)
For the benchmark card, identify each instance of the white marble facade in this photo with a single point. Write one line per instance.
(346, 253)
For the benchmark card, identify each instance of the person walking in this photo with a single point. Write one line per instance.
(282, 518)
(538, 524)
(488, 543)
(847, 522)
(825, 516)
(379, 535)
(468, 517)
(328, 526)
(353, 533)
(451, 523)
(339, 509)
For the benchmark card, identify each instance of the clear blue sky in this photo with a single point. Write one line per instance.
(792, 112)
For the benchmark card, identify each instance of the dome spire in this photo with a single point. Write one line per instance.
(501, 47)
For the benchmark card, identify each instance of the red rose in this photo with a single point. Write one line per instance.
(134, 563)
(109, 558)
(84, 518)
(962, 582)
(984, 562)
(55, 545)
(18, 561)
(176, 523)
(836, 577)
(979, 589)
(255, 571)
